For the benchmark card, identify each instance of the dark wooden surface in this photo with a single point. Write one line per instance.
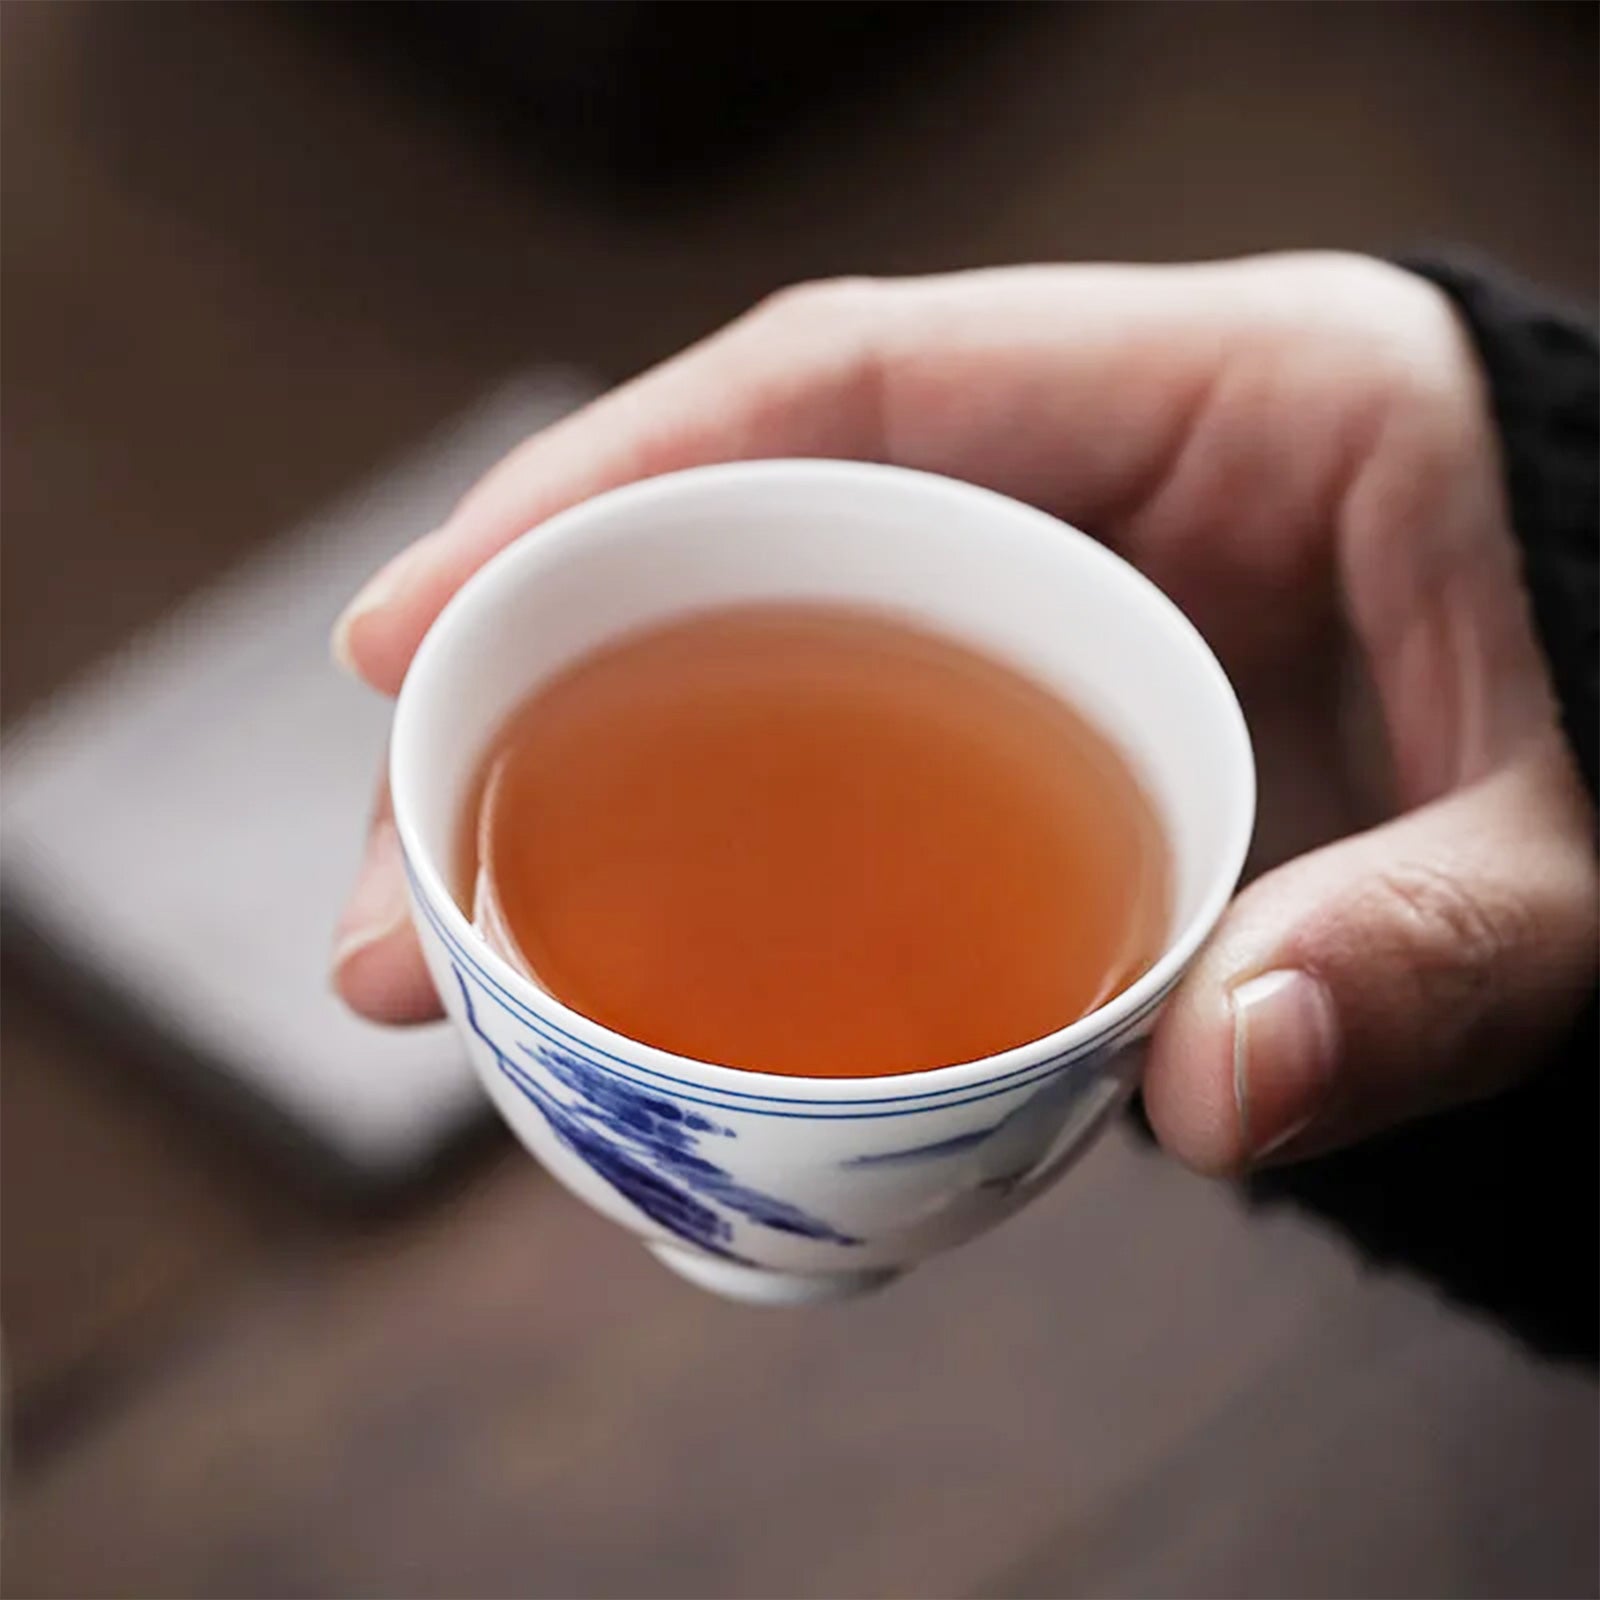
(239, 271)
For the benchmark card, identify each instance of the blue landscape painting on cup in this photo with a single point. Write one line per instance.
(649, 1148)
(653, 1150)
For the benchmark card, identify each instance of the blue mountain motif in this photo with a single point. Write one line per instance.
(647, 1148)
(1012, 1148)
(927, 1152)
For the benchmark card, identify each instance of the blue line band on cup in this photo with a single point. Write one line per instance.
(552, 1034)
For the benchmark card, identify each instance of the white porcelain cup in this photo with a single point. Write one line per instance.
(785, 1189)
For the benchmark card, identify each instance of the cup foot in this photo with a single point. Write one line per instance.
(757, 1286)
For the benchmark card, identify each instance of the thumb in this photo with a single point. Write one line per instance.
(1432, 960)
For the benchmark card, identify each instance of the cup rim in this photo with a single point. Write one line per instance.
(1115, 1016)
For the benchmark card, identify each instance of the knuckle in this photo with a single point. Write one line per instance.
(1349, 272)
(813, 302)
(1451, 937)
(1406, 328)
(823, 336)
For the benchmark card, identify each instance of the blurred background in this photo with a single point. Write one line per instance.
(255, 257)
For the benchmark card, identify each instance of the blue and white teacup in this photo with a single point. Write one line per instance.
(784, 1189)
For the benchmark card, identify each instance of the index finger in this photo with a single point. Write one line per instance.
(987, 376)
(764, 386)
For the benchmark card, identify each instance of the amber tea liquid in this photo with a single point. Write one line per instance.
(816, 841)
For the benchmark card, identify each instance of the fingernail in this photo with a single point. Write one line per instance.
(376, 595)
(1285, 1045)
(377, 904)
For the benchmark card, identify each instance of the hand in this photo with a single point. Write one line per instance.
(1298, 450)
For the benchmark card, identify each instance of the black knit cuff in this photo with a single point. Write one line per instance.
(1543, 367)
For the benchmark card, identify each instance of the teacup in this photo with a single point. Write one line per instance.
(786, 1189)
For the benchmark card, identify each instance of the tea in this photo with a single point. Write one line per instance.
(814, 841)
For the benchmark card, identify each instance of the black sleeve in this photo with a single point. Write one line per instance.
(1497, 1203)
(1543, 367)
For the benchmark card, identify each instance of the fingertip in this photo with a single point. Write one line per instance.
(385, 979)
(377, 967)
(1188, 1087)
(341, 649)
(375, 635)
(361, 645)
